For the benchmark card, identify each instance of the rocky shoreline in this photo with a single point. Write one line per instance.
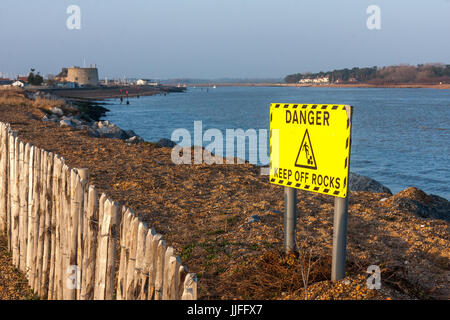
(88, 119)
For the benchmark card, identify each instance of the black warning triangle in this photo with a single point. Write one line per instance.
(305, 156)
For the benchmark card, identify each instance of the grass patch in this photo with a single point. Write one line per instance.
(270, 274)
(187, 251)
(215, 232)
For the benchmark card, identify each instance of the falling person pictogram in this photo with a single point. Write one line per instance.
(305, 156)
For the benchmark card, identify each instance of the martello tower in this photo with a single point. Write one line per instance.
(83, 76)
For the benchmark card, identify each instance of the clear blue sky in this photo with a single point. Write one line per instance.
(220, 38)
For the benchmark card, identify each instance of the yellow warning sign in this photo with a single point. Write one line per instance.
(310, 147)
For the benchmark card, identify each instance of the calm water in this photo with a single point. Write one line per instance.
(401, 137)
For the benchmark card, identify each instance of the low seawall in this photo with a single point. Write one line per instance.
(102, 93)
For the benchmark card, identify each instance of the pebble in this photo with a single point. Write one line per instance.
(254, 218)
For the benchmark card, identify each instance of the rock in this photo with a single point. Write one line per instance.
(110, 130)
(135, 139)
(104, 124)
(254, 218)
(57, 111)
(76, 122)
(165, 143)
(131, 133)
(66, 123)
(276, 211)
(417, 202)
(92, 132)
(363, 183)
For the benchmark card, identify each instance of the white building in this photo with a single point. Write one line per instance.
(315, 80)
(19, 84)
(141, 82)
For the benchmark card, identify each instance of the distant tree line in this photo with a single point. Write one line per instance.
(422, 73)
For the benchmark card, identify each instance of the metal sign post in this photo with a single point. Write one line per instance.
(339, 238)
(340, 225)
(290, 219)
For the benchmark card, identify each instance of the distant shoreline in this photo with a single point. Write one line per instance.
(334, 85)
(103, 93)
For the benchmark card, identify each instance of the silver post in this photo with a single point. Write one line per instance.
(339, 238)
(290, 219)
(340, 225)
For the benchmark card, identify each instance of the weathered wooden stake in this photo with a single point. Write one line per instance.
(147, 265)
(140, 255)
(131, 285)
(160, 259)
(153, 266)
(124, 231)
(113, 212)
(166, 285)
(91, 243)
(190, 287)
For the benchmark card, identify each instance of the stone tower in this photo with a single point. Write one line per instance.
(83, 76)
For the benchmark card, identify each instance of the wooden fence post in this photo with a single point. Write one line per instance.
(173, 277)
(25, 195)
(91, 244)
(83, 174)
(48, 231)
(166, 285)
(11, 188)
(131, 265)
(111, 262)
(124, 253)
(41, 216)
(3, 177)
(75, 209)
(15, 206)
(53, 226)
(58, 290)
(145, 275)
(8, 190)
(66, 210)
(159, 274)
(30, 234)
(153, 266)
(23, 206)
(140, 255)
(182, 273)
(190, 287)
(34, 218)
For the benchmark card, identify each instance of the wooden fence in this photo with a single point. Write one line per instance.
(69, 241)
